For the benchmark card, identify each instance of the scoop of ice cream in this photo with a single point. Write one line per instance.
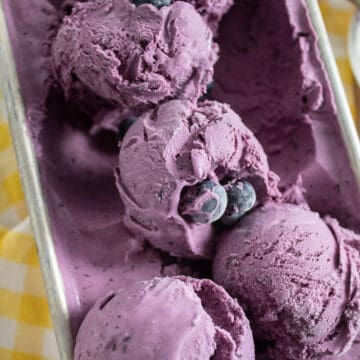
(212, 11)
(298, 277)
(164, 158)
(168, 318)
(134, 56)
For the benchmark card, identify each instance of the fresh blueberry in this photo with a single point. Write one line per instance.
(209, 89)
(157, 3)
(241, 199)
(203, 203)
(124, 126)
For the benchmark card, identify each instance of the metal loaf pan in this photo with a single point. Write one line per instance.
(29, 170)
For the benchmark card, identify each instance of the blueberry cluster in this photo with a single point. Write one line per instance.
(208, 202)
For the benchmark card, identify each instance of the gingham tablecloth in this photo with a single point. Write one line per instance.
(337, 16)
(25, 325)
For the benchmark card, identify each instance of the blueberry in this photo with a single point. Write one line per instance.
(203, 203)
(157, 3)
(209, 89)
(241, 199)
(124, 126)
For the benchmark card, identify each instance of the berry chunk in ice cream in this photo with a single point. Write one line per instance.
(241, 199)
(124, 126)
(203, 203)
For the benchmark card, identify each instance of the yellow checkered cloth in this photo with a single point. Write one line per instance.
(337, 16)
(25, 326)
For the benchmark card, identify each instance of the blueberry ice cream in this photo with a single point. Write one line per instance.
(173, 166)
(134, 56)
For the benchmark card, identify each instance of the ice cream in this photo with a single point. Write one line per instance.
(282, 96)
(42, 29)
(134, 56)
(211, 10)
(352, 354)
(166, 318)
(172, 150)
(297, 276)
(271, 74)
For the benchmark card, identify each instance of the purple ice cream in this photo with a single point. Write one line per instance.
(282, 96)
(352, 354)
(168, 318)
(171, 150)
(297, 276)
(212, 11)
(134, 56)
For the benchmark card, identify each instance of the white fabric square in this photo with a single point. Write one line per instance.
(8, 333)
(339, 46)
(24, 227)
(340, 4)
(50, 349)
(12, 275)
(9, 218)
